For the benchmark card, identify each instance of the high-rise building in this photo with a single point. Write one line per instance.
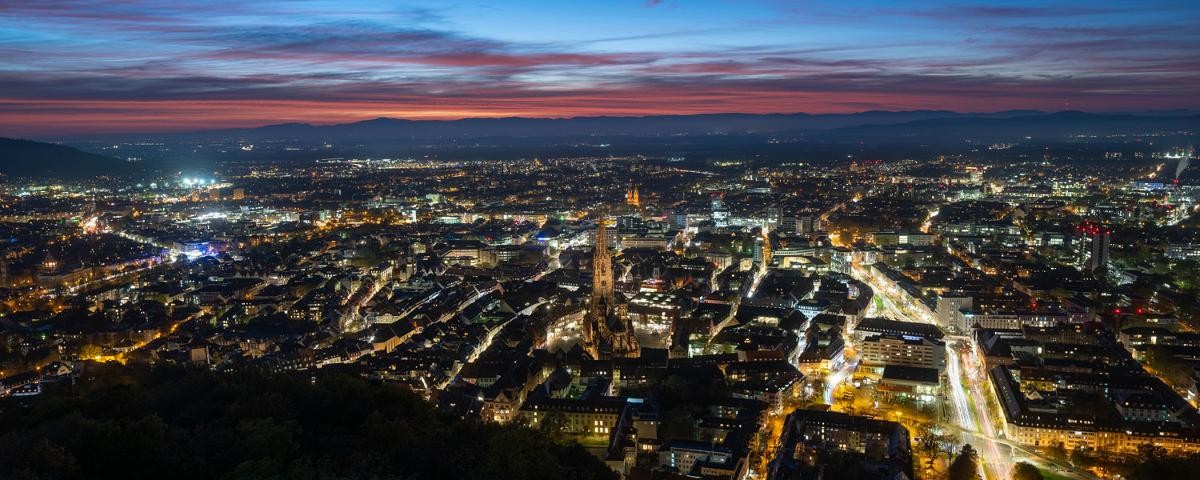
(606, 332)
(679, 220)
(720, 215)
(774, 216)
(1097, 245)
(801, 224)
(1099, 257)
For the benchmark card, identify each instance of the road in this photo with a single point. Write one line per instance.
(966, 394)
(463, 306)
(970, 407)
(486, 343)
(882, 288)
(969, 395)
(836, 377)
(999, 454)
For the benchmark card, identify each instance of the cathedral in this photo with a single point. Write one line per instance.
(632, 198)
(607, 331)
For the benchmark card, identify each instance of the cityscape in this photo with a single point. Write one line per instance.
(221, 280)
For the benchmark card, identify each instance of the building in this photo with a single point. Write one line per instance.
(922, 383)
(891, 238)
(1143, 419)
(810, 435)
(720, 214)
(890, 349)
(607, 331)
(700, 459)
(1008, 320)
(582, 418)
(1098, 240)
(886, 326)
(1183, 251)
(655, 311)
(635, 241)
(466, 252)
(632, 198)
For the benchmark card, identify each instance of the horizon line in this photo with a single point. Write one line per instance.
(185, 130)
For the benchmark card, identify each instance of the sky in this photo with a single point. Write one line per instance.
(74, 66)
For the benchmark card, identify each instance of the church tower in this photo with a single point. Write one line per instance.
(632, 198)
(602, 275)
(606, 332)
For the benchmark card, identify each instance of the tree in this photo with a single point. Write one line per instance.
(1172, 370)
(947, 447)
(191, 424)
(1058, 451)
(1026, 471)
(1079, 456)
(89, 351)
(965, 466)
(929, 441)
(554, 425)
(1059, 293)
(1154, 462)
(1151, 453)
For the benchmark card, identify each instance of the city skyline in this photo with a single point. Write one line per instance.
(617, 240)
(77, 68)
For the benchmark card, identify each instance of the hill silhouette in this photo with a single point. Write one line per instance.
(27, 158)
(169, 422)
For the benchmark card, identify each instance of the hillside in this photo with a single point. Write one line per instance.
(26, 158)
(135, 422)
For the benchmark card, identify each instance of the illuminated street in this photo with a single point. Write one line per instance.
(839, 375)
(971, 412)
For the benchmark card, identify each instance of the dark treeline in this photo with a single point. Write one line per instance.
(137, 422)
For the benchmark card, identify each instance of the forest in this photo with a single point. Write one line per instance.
(135, 422)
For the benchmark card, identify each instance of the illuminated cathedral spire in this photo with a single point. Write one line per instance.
(631, 197)
(600, 339)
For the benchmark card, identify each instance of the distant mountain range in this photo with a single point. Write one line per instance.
(513, 127)
(596, 126)
(1041, 126)
(780, 136)
(872, 125)
(26, 158)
